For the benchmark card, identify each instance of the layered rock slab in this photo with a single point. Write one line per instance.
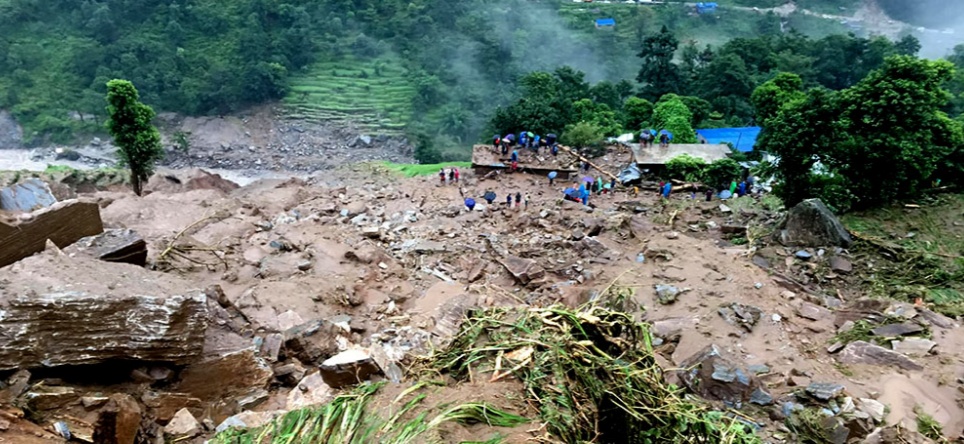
(57, 311)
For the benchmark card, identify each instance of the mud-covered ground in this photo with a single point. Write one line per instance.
(388, 258)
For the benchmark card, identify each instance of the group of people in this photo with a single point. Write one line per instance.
(737, 189)
(490, 198)
(526, 140)
(580, 192)
(452, 176)
(648, 137)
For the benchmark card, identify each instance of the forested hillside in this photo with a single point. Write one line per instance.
(434, 68)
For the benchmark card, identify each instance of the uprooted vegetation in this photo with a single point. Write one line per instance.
(591, 373)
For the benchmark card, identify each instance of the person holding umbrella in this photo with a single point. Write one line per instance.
(470, 203)
(489, 196)
(552, 177)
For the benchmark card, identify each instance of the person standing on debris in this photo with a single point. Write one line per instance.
(508, 200)
(507, 142)
(489, 196)
(536, 143)
(456, 174)
(527, 200)
(667, 189)
(645, 138)
(518, 199)
(452, 175)
(635, 191)
(441, 176)
(664, 140)
(659, 191)
(524, 139)
(709, 194)
(552, 177)
(612, 184)
(733, 188)
(470, 204)
(741, 189)
(496, 141)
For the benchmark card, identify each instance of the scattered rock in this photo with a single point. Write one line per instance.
(42, 398)
(593, 246)
(861, 352)
(311, 390)
(913, 346)
(936, 319)
(26, 196)
(349, 367)
(835, 347)
(119, 421)
(824, 391)
(312, 342)
(247, 419)
(713, 377)
(672, 235)
(874, 408)
(183, 425)
(803, 255)
(813, 312)
(740, 315)
(732, 229)
(233, 374)
(523, 270)
(725, 209)
(271, 346)
(811, 224)
(163, 405)
(290, 373)
(895, 330)
(841, 265)
(760, 261)
(666, 294)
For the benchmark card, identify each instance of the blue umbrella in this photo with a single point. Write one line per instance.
(588, 179)
(553, 174)
(652, 131)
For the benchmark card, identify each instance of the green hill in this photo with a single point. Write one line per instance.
(434, 67)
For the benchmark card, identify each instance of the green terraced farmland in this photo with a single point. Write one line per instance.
(374, 95)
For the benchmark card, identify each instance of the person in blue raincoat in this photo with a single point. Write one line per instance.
(552, 177)
(536, 142)
(668, 188)
(515, 156)
(524, 139)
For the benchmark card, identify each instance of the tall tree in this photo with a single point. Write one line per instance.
(659, 75)
(673, 115)
(129, 123)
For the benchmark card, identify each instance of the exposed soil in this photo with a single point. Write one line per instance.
(392, 253)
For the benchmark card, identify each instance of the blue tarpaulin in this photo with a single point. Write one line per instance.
(742, 139)
(605, 22)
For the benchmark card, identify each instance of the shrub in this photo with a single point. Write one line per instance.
(686, 167)
(719, 174)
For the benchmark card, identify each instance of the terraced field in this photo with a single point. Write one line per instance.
(373, 95)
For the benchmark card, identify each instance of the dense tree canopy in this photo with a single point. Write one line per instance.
(884, 138)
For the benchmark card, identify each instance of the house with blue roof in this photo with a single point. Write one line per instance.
(605, 23)
(743, 139)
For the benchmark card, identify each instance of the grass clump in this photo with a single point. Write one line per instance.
(928, 426)
(415, 169)
(348, 419)
(591, 372)
(863, 331)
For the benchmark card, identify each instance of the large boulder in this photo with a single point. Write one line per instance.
(29, 195)
(61, 311)
(523, 270)
(811, 224)
(114, 245)
(62, 223)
